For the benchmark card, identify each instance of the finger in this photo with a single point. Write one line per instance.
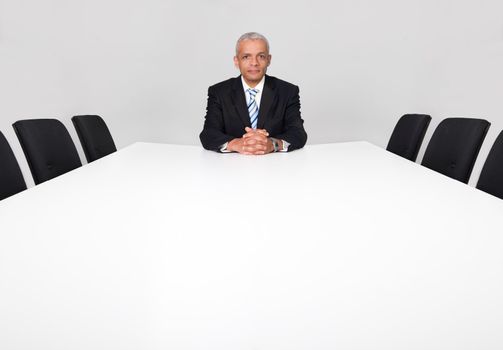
(256, 147)
(257, 131)
(257, 134)
(254, 142)
(250, 131)
(249, 151)
(263, 132)
(259, 139)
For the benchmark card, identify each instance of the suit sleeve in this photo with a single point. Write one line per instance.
(213, 135)
(293, 130)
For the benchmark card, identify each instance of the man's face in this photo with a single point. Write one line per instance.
(252, 60)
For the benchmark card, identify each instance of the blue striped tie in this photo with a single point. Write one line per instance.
(252, 107)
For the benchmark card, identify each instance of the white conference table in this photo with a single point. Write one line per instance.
(336, 246)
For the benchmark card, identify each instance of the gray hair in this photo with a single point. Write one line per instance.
(251, 36)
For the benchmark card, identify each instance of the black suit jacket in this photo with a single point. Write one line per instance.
(227, 115)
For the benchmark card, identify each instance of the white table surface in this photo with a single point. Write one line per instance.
(337, 246)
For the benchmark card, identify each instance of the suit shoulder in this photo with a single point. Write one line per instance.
(223, 85)
(282, 84)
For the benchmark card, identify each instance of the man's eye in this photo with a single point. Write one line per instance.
(262, 57)
(245, 57)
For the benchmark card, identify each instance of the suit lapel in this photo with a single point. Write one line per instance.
(266, 101)
(239, 101)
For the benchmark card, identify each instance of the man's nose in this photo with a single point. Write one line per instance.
(254, 61)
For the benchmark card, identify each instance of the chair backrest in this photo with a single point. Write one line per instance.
(491, 177)
(454, 147)
(94, 136)
(408, 135)
(48, 148)
(11, 178)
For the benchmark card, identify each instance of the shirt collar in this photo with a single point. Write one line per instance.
(259, 87)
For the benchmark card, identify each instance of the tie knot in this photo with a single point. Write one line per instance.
(252, 92)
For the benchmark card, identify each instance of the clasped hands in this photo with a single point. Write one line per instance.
(254, 141)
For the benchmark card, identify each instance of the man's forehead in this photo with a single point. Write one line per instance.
(245, 45)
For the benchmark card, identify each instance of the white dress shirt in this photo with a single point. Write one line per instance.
(259, 88)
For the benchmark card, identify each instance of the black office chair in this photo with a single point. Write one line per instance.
(11, 178)
(408, 135)
(48, 148)
(94, 136)
(491, 177)
(454, 147)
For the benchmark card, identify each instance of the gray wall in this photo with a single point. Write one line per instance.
(145, 66)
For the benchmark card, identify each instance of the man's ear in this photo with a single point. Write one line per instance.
(236, 62)
(269, 60)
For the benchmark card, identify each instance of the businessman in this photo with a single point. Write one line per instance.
(254, 113)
